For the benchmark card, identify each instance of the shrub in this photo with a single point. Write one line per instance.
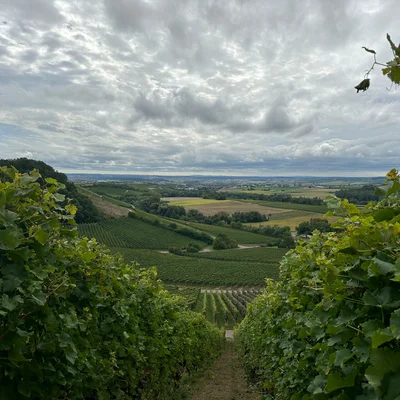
(77, 322)
(193, 247)
(330, 328)
(175, 250)
(222, 242)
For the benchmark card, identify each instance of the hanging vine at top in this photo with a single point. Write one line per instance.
(391, 68)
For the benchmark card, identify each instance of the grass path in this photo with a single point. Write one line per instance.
(225, 380)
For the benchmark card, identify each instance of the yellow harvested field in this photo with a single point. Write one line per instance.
(293, 222)
(211, 207)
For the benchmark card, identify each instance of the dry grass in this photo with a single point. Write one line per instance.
(211, 207)
(105, 207)
(294, 221)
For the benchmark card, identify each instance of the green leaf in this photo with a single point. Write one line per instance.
(7, 216)
(337, 381)
(71, 355)
(26, 179)
(9, 240)
(317, 385)
(25, 388)
(385, 214)
(342, 356)
(41, 236)
(10, 303)
(380, 337)
(383, 361)
(59, 197)
(51, 181)
(395, 323)
(15, 356)
(386, 297)
(381, 267)
(39, 298)
(371, 326)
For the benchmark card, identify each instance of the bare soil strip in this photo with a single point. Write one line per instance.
(226, 380)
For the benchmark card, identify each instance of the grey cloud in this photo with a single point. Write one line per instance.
(43, 11)
(188, 85)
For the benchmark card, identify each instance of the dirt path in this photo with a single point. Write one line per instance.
(226, 380)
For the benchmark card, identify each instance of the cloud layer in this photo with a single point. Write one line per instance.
(193, 86)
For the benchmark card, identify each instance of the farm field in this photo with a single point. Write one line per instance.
(242, 237)
(191, 201)
(268, 255)
(290, 206)
(211, 207)
(107, 205)
(203, 271)
(321, 193)
(292, 222)
(225, 308)
(133, 233)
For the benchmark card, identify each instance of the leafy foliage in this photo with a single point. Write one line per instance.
(330, 328)
(86, 211)
(77, 322)
(391, 68)
(307, 227)
(222, 242)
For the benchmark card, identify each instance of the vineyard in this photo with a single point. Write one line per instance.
(270, 255)
(135, 234)
(240, 236)
(225, 308)
(203, 270)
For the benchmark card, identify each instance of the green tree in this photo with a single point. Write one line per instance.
(307, 227)
(222, 242)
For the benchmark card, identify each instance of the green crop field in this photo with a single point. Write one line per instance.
(257, 254)
(134, 233)
(203, 271)
(242, 237)
(225, 308)
(290, 206)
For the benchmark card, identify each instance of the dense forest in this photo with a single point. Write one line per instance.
(358, 195)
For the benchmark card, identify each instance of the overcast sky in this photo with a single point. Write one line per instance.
(258, 87)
